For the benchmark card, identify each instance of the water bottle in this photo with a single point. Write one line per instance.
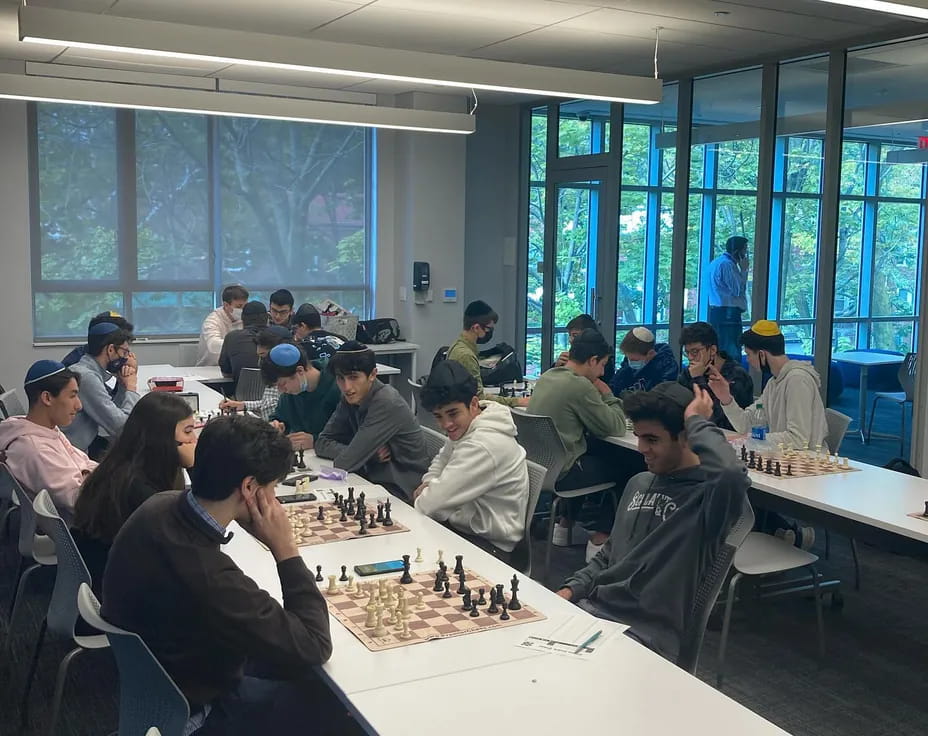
(759, 426)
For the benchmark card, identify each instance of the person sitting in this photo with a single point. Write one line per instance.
(281, 307)
(671, 520)
(110, 316)
(308, 332)
(238, 347)
(308, 394)
(102, 414)
(479, 322)
(700, 344)
(157, 442)
(168, 580)
(577, 325)
(793, 406)
(219, 323)
(266, 339)
(581, 404)
(478, 483)
(37, 453)
(372, 432)
(646, 363)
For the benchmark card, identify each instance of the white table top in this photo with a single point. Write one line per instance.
(862, 357)
(874, 496)
(212, 373)
(394, 348)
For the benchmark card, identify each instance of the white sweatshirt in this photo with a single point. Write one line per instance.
(215, 327)
(479, 484)
(795, 412)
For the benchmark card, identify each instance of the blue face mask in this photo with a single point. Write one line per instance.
(635, 365)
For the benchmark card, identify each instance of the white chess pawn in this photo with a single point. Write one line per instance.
(350, 587)
(440, 553)
(399, 617)
(404, 634)
(371, 616)
(419, 604)
(418, 555)
(379, 628)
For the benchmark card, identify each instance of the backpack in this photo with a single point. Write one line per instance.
(499, 365)
(379, 331)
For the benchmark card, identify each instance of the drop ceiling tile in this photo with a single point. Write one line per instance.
(538, 12)
(419, 31)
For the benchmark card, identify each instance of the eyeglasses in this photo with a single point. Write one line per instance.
(121, 354)
(280, 312)
(694, 352)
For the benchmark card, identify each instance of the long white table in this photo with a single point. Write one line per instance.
(449, 685)
(213, 374)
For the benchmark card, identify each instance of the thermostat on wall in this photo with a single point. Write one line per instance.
(449, 295)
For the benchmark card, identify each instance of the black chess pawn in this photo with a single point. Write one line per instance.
(474, 611)
(493, 608)
(744, 453)
(359, 514)
(447, 593)
(789, 469)
(372, 524)
(439, 583)
(504, 616)
(387, 521)
(458, 564)
(514, 604)
(363, 528)
(462, 587)
(320, 516)
(319, 573)
(380, 512)
(751, 465)
(301, 464)
(752, 455)
(481, 601)
(344, 575)
(467, 605)
(776, 470)
(344, 516)
(769, 468)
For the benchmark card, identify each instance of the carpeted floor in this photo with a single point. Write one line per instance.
(872, 683)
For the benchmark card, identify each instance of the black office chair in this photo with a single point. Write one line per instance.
(907, 374)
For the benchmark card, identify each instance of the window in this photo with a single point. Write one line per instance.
(536, 239)
(152, 213)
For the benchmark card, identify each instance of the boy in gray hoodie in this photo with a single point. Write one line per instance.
(671, 520)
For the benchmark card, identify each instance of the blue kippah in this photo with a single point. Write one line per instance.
(42, 369)
(285, 355)
(103, 328)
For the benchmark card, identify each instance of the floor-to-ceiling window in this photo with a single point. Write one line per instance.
(534, 297)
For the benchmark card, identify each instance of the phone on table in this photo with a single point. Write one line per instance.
(292, 481)
(297, 498)
(379, 568)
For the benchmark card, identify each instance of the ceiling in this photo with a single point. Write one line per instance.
(602, 35)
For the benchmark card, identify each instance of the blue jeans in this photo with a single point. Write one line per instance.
(727, 323)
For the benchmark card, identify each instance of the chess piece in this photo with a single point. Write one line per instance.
(333, 586)
(751, 464)
(319, 573)
(440, 554)
(344, 576)
(447, 593)
(926, 509)
(492, 608)
(363, 528)
(406, 579)
(372, 524)
(474, 611)
(382, 591)
(499, 594)
(391, 619)
(776, 470)
(380, 512)
(462, 577)
(789, 469)
(504, 616)
(481, 601)
(769, 467)
(351, 588)
(350, 494)
(344, 516)
(361, 498)
(751, 456)
(744, 454)
(379, 628)
(419, 604)
(371, 616)
(514, 604)
(439, 580)
(387, 521)
(404, 634)
(400, 618)
(467, 601)
(320, 515)
(418, 555)
(372, 592)
(458, 564)
(846, 464)
(301, 464)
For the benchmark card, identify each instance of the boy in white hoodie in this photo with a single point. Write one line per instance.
(36, 451)
(478, 483)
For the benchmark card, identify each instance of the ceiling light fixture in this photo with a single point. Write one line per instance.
(223, 47)
(883, 6)
(229, 104)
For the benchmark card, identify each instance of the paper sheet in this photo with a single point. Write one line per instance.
(567, 636)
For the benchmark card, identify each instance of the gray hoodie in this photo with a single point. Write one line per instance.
(667, 532)
(795, 412)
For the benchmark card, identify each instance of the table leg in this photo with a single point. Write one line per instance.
(862, 405)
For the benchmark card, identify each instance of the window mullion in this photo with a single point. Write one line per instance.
(126, 207)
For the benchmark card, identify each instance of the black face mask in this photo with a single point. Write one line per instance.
(488, 335)
(116, 365)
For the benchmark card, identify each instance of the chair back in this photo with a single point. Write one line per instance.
(27, 522)
(543, 445)
(250, 386)
(10, 405)
(837, 427)
(426, 419)
(71, 571)
(187, 354)
(148, 697)
(522, 554)
(907, 376)
(709, 588)
(434, 441)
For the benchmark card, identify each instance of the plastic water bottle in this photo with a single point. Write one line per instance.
(759, 426)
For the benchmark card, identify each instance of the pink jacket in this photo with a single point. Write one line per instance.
(44, 458)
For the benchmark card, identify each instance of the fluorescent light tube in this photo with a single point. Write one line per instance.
(223, 47)
(883, 6)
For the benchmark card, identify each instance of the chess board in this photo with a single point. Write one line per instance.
(801, 465)
(308, 530)
(439, 618)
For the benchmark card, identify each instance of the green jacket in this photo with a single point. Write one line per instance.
(308, 411)
(464, 352)
(577, 408)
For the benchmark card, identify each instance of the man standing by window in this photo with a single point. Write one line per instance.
(728, 288)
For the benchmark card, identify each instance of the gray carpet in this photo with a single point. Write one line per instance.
(872, 683)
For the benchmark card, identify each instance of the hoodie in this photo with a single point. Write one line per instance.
(662, 367)
(308, 411)
(479, 483)
(742, 388)
(40, 457)
(215, 327)
(668, 531)
(102, 413)
(795, 412)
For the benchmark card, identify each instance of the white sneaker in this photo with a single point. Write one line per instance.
(592, 550)
(787, 535)
(578, 537)
(807, 537)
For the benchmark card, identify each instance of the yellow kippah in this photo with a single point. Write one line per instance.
(765, 328)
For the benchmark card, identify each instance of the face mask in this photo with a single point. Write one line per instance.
(304, 385)
(116, 365)
(236, 314)
(636, 365)
(487, 336)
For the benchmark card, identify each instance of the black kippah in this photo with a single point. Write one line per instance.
(448, 373)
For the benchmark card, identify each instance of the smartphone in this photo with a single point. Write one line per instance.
(292, 481)
(379, 568)
(297, 498)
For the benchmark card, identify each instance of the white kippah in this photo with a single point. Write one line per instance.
(643, 334)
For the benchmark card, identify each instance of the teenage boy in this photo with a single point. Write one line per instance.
(478, 483)
(308, 332)
(219, 323)
(700, 344)
(372, 431)
(281, 307)
(266, 339)
(168, 580)
(479, 322)
(117, 319)
(581, 404)
(308, 394)
(671, 520)
(576, 326)
(238, 347)
(37, 453)
(103, 414)
(646, 363)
